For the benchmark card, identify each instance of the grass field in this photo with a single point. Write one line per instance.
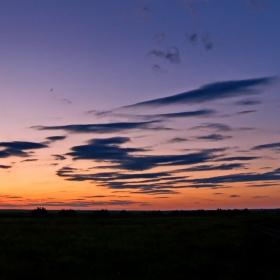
(138, 247)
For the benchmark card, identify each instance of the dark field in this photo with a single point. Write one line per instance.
(140, 247)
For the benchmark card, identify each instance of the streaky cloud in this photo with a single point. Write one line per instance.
(105, 127)
(213, 137)
(209, 92)
(5, 166)
(272, 146)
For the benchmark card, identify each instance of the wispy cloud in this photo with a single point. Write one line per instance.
(213, 137)
(172, 54)
(209, 92)
(271, 146)
(104, 128)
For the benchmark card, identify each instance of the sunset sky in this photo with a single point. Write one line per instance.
(140, 104)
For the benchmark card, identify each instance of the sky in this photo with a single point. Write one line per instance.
(139, 104)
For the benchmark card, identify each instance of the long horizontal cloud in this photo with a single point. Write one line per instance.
(213, 137)
(209, 92)
(109, 150)
(18, 148)
(243, 177)
(104, 128)
(272, 146)
(5, 166)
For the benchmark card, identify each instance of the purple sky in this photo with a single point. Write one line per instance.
(183, 96)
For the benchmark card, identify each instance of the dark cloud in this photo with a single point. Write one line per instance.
(22, 145)
(31, 159)
(177, 140)
(187, 114)
(260, 196)
(17, 148)
(5, 166)
(192, 37)
(208, 92)
(247, 112)
(157, 53)
(272, 146)
(230, 166)
(158, 69)
(155, 192)
(234, 195)
(248, 102)
(59, 157)
(219, 127)
(262, 185)
(67, 101)
(109, 150)
(56, 138)
(213, 137)
(242, 158)
(172, 54)
(104, 128)
(241, 177)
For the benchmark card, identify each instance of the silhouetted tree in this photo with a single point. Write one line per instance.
(40, 212)
(124, 214)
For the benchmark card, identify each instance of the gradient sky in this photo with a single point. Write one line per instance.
(138, 104)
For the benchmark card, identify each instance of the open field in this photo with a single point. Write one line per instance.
(139, 247)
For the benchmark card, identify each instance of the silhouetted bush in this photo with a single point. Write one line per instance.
(40, 212)
(124, 214)
(67, 213)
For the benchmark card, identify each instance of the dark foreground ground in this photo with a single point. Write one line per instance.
(140, 247)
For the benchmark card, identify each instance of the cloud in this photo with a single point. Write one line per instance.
(187, 114)
(230, 166)
(247, 112)
(213, 137)
(158, 69)
(109, 150)
(5, 166)
(17, 148)
(56, 138)
(263, 185)
(241, 158)
(248, 102)
(104, 128)
(59, 157)
(260, 196)
(234, 196)
(209, 92)
(192, 37)
(241, 177)
(172, 54)
(219, 127)
(177, 140)
(31, 159)
(272, 146)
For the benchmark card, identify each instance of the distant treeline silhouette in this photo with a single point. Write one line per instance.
(104, 213)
